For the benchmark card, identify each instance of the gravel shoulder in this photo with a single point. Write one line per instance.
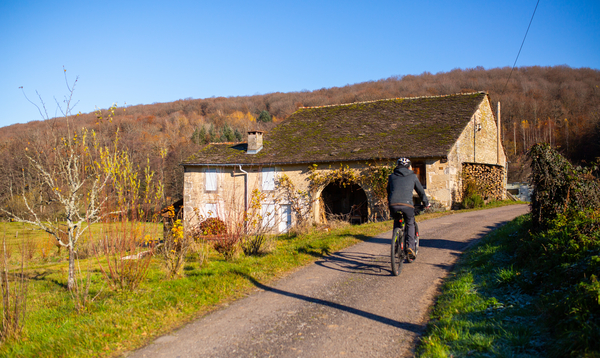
(344, 305)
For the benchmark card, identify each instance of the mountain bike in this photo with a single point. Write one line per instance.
(399, 250)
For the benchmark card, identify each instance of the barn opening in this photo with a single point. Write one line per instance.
(345, 202)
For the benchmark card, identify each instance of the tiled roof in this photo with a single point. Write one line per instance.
(416, 127)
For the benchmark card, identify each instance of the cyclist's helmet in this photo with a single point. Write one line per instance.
(405, 162)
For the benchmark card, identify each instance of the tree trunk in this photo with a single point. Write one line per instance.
(71, 279)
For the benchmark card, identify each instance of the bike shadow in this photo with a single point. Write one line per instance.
(415, 328)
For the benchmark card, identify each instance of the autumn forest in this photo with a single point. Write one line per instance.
(557, 105)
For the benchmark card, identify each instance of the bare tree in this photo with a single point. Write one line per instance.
(71, 179)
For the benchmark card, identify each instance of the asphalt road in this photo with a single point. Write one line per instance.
(345, 305)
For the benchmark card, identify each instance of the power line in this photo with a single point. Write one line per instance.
(526, 32)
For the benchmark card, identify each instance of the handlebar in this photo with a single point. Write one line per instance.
(420, 208)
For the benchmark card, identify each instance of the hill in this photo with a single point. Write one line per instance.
(559, 105)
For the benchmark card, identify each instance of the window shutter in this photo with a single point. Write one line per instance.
(211, 180)
(268, 179)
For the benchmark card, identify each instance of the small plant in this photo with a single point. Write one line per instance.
(14, 300)
(228, 246)
(254, 244)
(45, 248)
(28, 249)
(126, 264)
(471, 195)
(174, 248)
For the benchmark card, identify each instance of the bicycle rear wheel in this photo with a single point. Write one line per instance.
(397, 251)
(406, 246)
(416, 239)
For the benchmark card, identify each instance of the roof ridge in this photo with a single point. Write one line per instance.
(390, 99)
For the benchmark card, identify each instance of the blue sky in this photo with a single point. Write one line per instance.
(141, 52)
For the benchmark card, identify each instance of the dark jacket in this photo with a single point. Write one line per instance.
(400, 187)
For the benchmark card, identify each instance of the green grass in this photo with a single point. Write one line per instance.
(481, 313)
(118, 321)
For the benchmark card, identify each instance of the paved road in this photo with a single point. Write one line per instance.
(345, 305)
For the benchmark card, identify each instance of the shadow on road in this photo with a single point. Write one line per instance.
(448, 244)
(356, 262)
(378, 265)
(381, 239)
(416, 328)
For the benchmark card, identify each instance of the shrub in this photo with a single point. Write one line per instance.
(559, 257)
(227, 245)
(213, 226)
(558, 186)
(259, 244)
(471, 195)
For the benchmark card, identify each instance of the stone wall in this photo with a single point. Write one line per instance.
(439, 181)
(229, 201)
(477, 144)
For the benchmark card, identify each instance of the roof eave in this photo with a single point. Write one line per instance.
(310, 161)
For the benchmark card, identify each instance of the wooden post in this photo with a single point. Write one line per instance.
(499, 137)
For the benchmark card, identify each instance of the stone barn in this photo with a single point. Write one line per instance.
(325, 161)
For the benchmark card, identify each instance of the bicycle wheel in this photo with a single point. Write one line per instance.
(397, 251)
(416, 239)
(406, 246)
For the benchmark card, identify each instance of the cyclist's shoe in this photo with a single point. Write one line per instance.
(411, 254)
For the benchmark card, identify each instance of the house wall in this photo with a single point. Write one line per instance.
(229, 196)
(477, 144)
(439, 181)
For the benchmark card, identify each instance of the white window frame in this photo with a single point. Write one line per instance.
(211, 182)
(285, 221)
(211, 210)
(268, 179)
(270, 217)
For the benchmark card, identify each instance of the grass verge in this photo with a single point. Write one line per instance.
(519, 293)
(481, 313)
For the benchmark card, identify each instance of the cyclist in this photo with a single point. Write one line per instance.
(400, 198)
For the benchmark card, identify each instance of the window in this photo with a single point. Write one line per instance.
(211, 180)
(286, 218)
(210, 210)
(269, 216)
(268, 179)
(419, 169)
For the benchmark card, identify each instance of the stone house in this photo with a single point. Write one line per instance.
(294, 171)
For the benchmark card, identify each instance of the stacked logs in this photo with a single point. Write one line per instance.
(488, 178)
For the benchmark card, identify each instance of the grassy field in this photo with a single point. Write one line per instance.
(119, 320)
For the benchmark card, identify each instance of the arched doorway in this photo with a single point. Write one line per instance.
(345, 202)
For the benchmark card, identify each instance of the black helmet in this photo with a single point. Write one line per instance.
(405, 162)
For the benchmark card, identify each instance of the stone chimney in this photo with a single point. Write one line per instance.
(255, 142)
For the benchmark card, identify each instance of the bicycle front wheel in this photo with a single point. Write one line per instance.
(416, 239)
(397, 251)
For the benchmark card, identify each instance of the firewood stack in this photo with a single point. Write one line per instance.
(489, 179)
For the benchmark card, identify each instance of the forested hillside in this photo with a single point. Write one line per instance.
(558, 105)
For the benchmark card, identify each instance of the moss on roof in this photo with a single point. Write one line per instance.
(385, 129)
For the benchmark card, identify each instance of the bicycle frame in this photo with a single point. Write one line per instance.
(399, 246)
